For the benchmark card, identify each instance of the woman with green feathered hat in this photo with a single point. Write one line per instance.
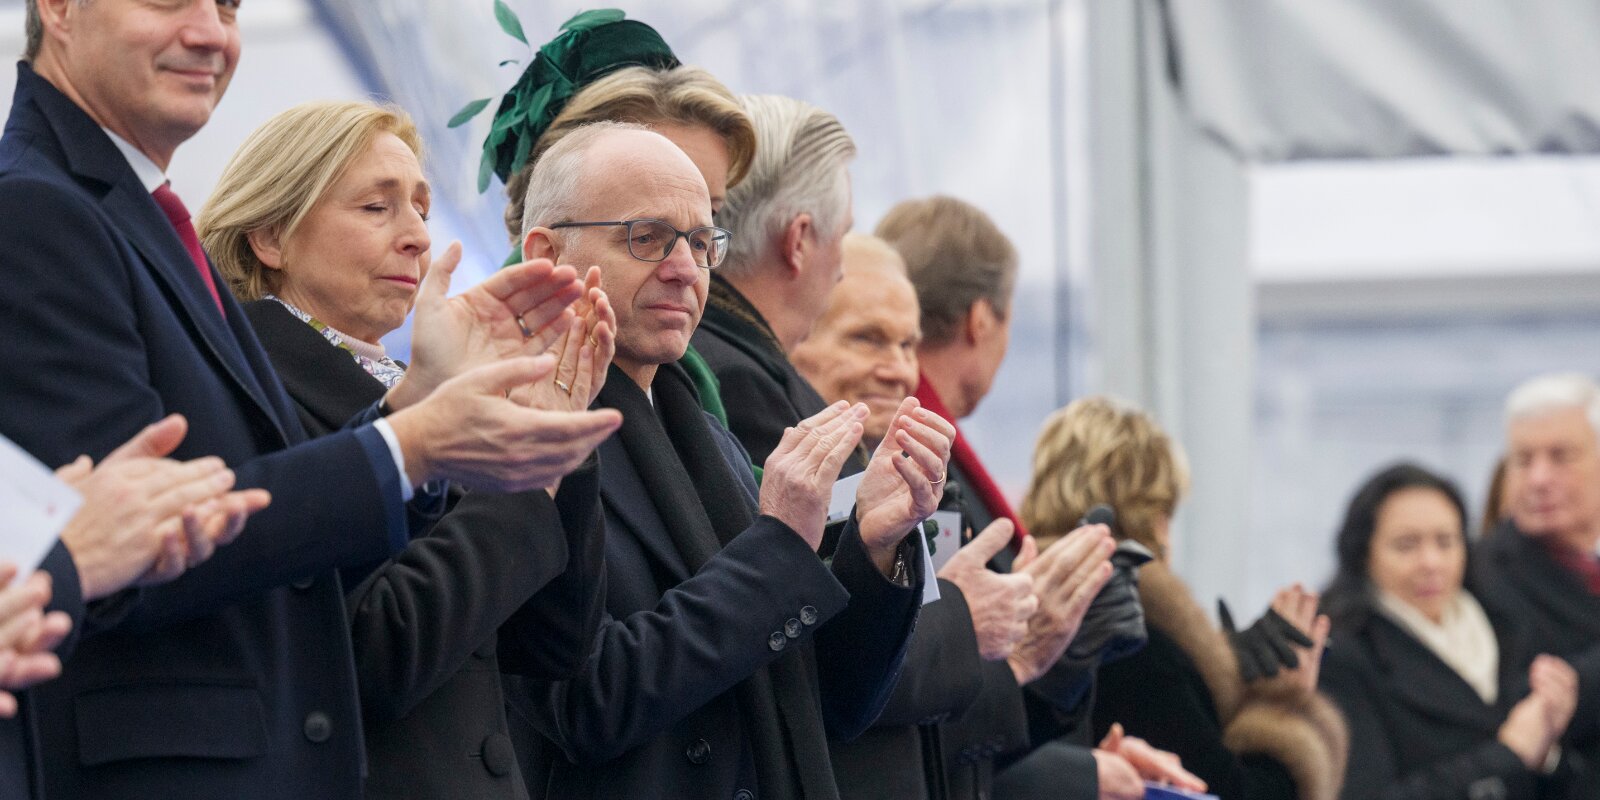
(601, 67)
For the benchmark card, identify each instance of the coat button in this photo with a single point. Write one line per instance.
(699, 752)
(791, 629)
(498, 756)
(808, 615)
(777, 640)
(304, 583)
(744, 794)
(318, 727)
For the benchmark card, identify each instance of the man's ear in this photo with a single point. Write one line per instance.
(56, 17)
(540, 243)
(798, 239)
(979, 323)
(268, 247)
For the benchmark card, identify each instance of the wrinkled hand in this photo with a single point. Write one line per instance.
(518, 311)
(145, 518)
(1118, 779)
(1298, 606)
(1000, 604)
(1066, 577)
(27, 634)
(1155, 765)
(1557, 682)
(1265, 646)
(797, 479)
(469, 432)
(904, 480)
(582, 355)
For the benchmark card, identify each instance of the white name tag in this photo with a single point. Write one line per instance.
(34, 507)
(948, 540)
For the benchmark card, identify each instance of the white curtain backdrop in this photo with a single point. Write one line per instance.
(1286, 79)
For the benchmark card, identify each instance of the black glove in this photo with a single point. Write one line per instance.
(1113, 627)
(1264, 646)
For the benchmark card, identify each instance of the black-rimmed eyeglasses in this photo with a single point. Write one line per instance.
(653, 239)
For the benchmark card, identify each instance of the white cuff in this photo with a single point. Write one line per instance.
(407, 489)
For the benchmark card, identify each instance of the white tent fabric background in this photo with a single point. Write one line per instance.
(1288, 79)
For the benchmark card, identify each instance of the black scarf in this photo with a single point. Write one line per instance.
(703, 506)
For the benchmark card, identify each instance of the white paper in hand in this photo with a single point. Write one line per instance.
(843, 498)
(34, 507)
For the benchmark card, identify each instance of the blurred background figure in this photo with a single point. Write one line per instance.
(1444, 698)
(1271, 737)
(964, 270)
(1540, 565)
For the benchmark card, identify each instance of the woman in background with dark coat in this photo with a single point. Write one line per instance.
(1265, 738)
(1443, 697)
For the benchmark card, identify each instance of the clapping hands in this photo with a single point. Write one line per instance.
(145, 519)
(582, 353)
(904, 480)
(1537, 722)
(28, 635)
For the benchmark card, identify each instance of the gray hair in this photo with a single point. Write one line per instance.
(552, 194)
(1555, 392)
(802, 153)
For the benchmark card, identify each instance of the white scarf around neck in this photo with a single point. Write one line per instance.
(1463, 638)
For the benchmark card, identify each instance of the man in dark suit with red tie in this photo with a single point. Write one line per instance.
(235, 680)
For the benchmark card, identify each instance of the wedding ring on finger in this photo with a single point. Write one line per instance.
(562, 385)
(941, 479)
(526, 334)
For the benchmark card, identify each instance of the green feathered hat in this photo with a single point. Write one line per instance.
(591, 45)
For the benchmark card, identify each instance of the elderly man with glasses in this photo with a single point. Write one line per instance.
(730, 651)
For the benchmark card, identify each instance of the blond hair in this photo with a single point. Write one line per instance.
(684, 95)
(279, 174)
(956, 256)
(1096, 451)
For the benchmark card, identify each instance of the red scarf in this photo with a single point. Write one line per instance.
(1584, 566)
(978, 480)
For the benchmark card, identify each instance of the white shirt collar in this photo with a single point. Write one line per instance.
(149, 174)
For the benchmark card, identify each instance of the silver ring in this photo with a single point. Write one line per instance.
(526, 334)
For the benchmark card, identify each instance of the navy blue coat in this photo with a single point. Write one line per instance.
(235, 680)
(653, 713)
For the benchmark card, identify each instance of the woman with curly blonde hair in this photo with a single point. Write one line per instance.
(1248, 738)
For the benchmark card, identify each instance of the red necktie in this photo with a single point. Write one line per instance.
(178, 215)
